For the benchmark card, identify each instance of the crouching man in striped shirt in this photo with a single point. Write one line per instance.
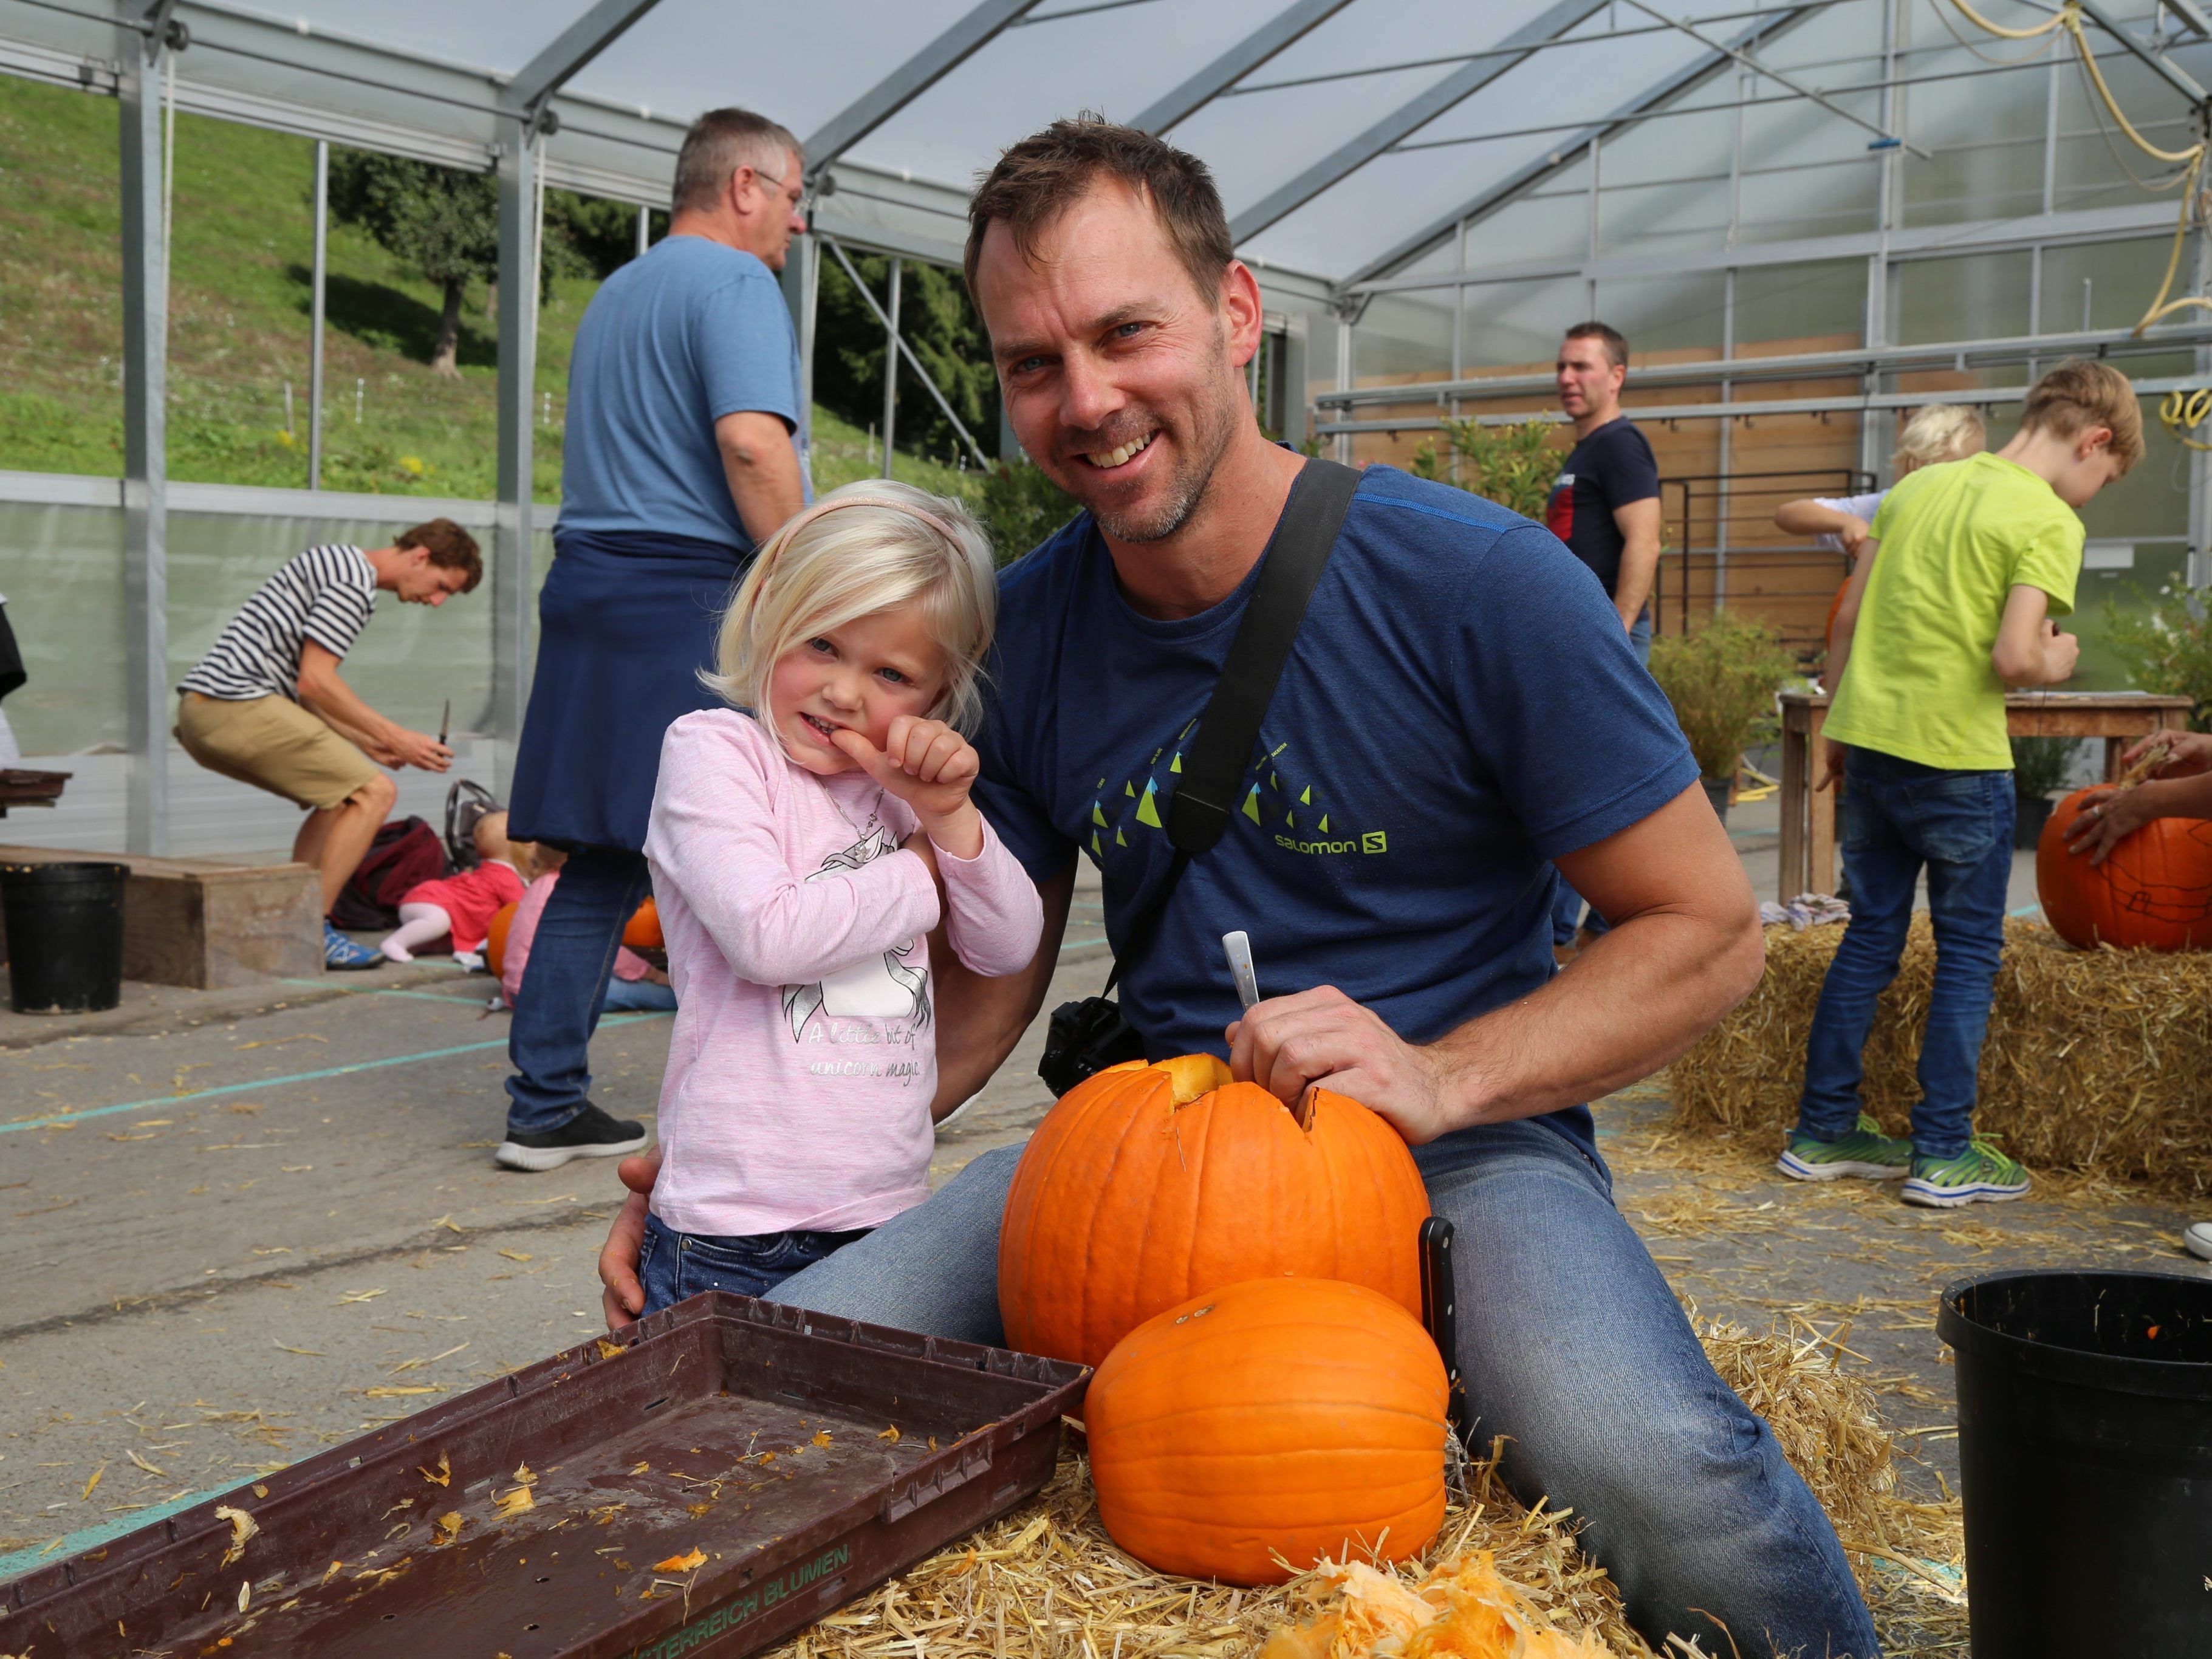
(266, 705)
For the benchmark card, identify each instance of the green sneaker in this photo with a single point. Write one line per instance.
(1980, 1175)
(1865, 1151)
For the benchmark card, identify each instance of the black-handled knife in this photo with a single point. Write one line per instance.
(1440, 1314)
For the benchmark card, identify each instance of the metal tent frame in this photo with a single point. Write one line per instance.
(552, 121)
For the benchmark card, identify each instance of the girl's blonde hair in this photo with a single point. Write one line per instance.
(1940, 432)
(868, 547)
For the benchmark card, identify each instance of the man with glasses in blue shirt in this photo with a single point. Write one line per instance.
(686, 447)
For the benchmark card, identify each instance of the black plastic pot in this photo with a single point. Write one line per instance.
(2084, 1447)
(1716, 791)
(64, 936)
(2027, 827)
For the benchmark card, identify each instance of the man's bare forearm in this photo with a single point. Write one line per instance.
(761, 468)
(1636, 998)
(979, 1020)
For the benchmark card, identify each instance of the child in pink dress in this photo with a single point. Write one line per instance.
(800, 854)
(462, 905)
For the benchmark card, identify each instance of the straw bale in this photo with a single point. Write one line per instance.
(1045, 1581)
(2097, 1061)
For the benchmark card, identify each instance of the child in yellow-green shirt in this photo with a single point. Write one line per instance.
(1951, 603)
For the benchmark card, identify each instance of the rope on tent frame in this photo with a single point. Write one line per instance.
(2181, 410)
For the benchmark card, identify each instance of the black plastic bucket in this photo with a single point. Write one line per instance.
(64, 936)
(2085, 1444)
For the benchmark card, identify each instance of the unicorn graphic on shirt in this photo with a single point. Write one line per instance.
(882, 986)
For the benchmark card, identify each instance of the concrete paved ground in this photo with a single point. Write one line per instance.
(236, 1227)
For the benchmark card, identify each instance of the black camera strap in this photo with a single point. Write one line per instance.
(1206, 796)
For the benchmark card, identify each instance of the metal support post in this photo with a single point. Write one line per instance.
(317, 310)
(1295, 391)
(1343, 383)
(2198, 572)
(802, 281)
(513, 591)
(145, 437)
(644, 230)
(891, 366)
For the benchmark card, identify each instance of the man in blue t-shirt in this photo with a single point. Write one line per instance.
(1605, 507)
(1457, 713)
(686, 446)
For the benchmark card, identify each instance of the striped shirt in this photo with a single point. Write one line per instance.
(325, 595)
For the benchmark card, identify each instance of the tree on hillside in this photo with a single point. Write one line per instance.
(443, 223)
(946, 333)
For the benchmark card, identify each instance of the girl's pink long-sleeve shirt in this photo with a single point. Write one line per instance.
(804, 1057)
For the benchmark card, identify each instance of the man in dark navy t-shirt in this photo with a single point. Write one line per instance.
(1605, 507)
(1459, 712)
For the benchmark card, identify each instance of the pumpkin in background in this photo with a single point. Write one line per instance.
(1147, 1185)
(495, 939)
(643, 930)
(2154, 891)
(1298, 1417)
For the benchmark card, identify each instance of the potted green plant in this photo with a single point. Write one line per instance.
(1514, 465)
(1722, 677)
(2039, 771)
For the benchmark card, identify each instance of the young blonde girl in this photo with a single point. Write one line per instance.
(802, 844)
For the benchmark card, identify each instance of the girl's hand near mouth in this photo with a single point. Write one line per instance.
(931, 767)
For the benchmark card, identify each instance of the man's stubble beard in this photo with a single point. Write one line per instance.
(1214, 428)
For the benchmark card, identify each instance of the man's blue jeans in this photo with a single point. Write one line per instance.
(1899, 817)
(1570, 1343)
(1566, 904)
(565, 983)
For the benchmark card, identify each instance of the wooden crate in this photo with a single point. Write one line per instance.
(191, 922)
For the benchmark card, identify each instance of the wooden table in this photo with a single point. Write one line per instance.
(1809, 819)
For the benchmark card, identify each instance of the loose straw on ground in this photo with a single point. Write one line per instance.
(1046, 1582)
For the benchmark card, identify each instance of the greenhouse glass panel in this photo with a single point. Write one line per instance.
(1404, 337)
(1986, 128)
(1819, 306)
(1675, 318)
(64, 592)
(1518, 325)
(2096, 166)
(1981, 296)
(1688, 216)
(1550, 223)
(2102, 285)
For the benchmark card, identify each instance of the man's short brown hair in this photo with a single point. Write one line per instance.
(2082, 392)
(450, 548)
(1614, 341)
(720, 143)
(1037, 180)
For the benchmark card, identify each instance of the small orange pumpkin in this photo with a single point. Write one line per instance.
(2154, 891)
(1150, 1184)
(495, 939)
(643, 930)
(1290, 1417)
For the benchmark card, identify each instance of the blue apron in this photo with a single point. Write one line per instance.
(625, 622)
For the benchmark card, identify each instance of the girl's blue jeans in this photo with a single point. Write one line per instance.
(1572, 1345)
(1901, 818)
(673, 1266)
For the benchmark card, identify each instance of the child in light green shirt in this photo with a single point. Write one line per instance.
(1951, 603)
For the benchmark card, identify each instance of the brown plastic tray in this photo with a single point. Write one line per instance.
(644, 1447)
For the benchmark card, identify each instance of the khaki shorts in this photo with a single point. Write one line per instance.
(273, 744)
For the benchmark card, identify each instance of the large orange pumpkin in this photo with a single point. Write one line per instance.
(495, 939)
(642, 932)
(1292, 1417)
(2155, 890)
(1150, 1184)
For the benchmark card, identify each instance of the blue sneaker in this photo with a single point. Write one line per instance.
(341, 955)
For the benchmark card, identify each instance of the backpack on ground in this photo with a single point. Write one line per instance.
(403, 853)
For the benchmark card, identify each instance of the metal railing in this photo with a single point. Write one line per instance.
(1752, 567)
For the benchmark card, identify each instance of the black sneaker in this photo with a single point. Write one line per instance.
(589, 1133)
